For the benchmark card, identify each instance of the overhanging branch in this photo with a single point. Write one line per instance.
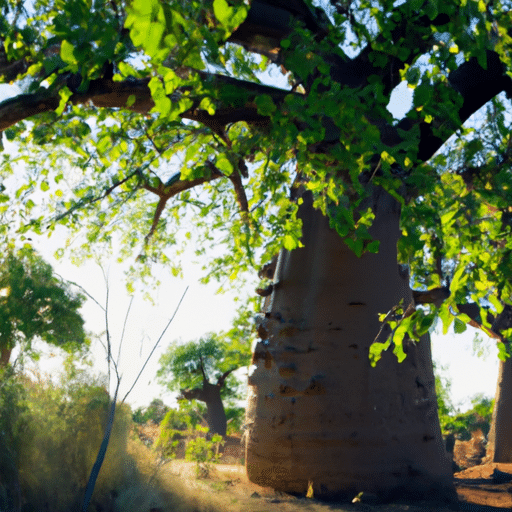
(104, 93)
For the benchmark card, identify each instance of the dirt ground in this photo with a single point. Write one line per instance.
(230, 490)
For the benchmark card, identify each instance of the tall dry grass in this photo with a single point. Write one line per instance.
(63, 426)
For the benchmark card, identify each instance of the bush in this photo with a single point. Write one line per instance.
(203, 451)
(176, 428)
(65, 427)
(479, 417)
(155, 411)
(13, 426)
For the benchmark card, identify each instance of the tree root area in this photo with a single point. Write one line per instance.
(478, 486)
(477, 491)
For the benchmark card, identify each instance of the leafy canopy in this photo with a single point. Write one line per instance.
(155, 126)
(188, 365)
(34, 303)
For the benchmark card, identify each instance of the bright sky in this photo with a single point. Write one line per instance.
(203, 311)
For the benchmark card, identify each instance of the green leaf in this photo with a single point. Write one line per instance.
(229, 17)
(459, 326)
(265, 105)
(67, 52)
(290, 243)
(413, 75)
(64, 94)
(224, 164)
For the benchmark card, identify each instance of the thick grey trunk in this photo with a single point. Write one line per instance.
(319, 416)
(216, 415)
(499, 446)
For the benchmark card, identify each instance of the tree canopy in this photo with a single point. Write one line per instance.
(188, 365)
(34, 303)
(155, 120)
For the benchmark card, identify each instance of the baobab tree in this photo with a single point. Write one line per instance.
(146, 101)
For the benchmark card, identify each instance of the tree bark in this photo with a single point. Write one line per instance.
(210, 395)
(5, 356)
(319, 416)
(499, 445)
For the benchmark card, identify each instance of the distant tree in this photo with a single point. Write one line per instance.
(35, 303)
(155, 411)
(461, 425)
(203, 370)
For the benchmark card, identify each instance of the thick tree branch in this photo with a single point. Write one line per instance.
(269, 22)
(500, 323)
(224, 376)
(171, 188)
(104, 93)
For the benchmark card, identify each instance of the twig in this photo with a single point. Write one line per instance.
(124, 328)
(156, 344)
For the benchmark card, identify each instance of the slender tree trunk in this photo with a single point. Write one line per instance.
(499, 446)
(5, 356)
(319, 416)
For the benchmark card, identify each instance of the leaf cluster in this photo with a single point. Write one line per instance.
(36, 303)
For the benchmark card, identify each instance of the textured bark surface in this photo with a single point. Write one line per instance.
(319, 416)
(5, 356)
(210, 395)
(499, 446)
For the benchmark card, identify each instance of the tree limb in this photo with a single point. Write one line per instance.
(224, 376)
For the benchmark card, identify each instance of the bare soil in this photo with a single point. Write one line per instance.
(230, 490)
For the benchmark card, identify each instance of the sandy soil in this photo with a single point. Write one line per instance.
(229, 489)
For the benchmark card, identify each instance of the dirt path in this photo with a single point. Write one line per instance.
(228, 488)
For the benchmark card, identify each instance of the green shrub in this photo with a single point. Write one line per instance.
(177, 427)
(155, 411)
(204, 451)
(13, 426)
(66, 424)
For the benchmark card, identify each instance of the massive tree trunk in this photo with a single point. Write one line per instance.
(319, 416)
(499, 446)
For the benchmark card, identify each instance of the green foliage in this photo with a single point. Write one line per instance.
(182, 365)
(177, 427)
(156, 411)
(13, 429)
(107, 171)
(235, 417)
(203, 451)
(36, 303)
(462, 425)
(53, 431)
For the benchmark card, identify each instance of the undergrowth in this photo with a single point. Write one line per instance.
(51, 433)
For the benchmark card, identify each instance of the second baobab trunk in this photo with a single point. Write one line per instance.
(210, 395)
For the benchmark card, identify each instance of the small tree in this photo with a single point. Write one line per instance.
(34, 303)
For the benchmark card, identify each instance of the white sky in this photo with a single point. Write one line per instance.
(203, 311)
